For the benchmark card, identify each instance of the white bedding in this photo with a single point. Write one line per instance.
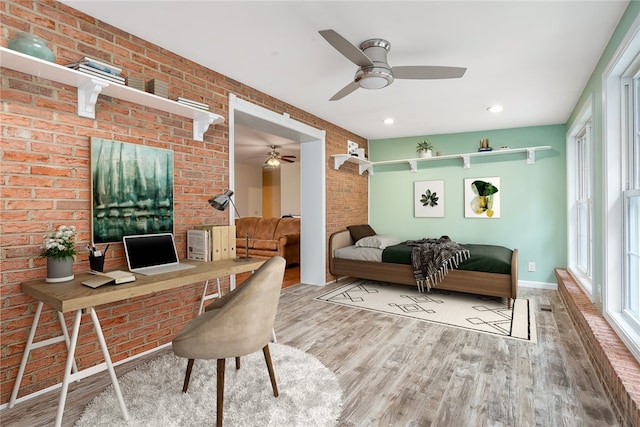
(359, 253)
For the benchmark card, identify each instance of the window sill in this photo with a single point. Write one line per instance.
(583, 281)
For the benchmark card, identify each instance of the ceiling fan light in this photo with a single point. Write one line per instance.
(373, 77)
(373, 82)
(273, 162)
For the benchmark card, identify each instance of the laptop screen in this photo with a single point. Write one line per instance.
(150, 250)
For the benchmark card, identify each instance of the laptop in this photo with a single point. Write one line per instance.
(150, 254)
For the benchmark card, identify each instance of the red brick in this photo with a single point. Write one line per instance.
(45, 169)
(618, 370)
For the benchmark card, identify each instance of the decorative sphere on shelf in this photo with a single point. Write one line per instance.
(32, 45)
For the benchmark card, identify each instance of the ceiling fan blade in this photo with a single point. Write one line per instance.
(287, 160)
(428, 72)
(345, 91)
(345, 47)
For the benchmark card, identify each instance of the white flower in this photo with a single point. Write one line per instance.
(60, 244)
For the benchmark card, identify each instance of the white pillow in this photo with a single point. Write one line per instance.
(379, 241)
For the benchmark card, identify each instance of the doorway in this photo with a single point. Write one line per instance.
(312, 178)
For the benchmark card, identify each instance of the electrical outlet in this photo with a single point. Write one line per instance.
(532, 266)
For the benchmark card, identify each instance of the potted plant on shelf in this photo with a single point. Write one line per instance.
(59, 250)
(424, 148)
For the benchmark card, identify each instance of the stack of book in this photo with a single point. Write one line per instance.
(192, 103)
(199, 245)
(136, 83)
(98, 69)
(118, 277)
(221, 241)
(158, 87)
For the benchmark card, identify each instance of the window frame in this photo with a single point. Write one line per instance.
(631, 184)
(615, 135)
(576, 186)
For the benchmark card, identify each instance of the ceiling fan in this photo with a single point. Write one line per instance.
(275, 158)
(374, 72)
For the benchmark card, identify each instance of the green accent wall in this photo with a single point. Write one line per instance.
(533, 197)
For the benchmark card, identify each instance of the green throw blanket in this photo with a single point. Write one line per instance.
(431, 259)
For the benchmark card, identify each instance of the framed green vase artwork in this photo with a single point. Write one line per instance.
(482, 197)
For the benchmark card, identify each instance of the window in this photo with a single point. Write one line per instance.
(631, 197)
(583, 201)
(621, 190)
(580, 184)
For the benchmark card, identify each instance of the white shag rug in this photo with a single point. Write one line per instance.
(468, 311)
(310, 394)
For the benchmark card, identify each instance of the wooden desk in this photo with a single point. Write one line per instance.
(73, 296)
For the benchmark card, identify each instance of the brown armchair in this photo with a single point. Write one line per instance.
(235, 325)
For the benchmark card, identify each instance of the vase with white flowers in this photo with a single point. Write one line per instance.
(60, 251)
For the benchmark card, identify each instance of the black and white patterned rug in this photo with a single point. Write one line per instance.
(473, 312)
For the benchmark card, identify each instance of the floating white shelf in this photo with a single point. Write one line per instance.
(89, 87)
(413, 163)
(363, 164)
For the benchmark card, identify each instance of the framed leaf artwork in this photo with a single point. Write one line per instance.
(482, 197)
(428, 199)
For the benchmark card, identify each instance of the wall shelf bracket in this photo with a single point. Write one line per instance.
(413, 164)
(339, 161)
(88, 96)
(363, 167)
(531, 156)
(200, 126)
(466, 160)
(363, 164)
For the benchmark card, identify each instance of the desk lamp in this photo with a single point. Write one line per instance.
(220, 202)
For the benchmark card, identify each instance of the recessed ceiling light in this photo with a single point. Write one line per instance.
(388, 121)
(495, 108)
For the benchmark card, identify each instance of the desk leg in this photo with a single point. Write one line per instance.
(68, 366)
(65, 333)
(25, 355)
(206, 297)
(107, 359)
(31, 345)
(71, 361)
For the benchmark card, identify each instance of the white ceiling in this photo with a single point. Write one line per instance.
(532, 57)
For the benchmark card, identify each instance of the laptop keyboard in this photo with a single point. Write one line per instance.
(152, 271)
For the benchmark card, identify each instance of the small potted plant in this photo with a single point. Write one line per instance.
(424, 148)
(59, 250)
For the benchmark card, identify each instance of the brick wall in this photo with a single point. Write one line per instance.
(618, 370)
(45, 180)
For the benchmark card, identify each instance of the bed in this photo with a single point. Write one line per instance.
(471, 276)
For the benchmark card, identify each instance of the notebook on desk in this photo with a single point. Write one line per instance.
(150, 254)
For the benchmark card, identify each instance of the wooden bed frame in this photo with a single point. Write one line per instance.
(474, 282)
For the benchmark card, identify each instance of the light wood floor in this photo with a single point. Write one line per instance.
(291, 277)
(403, 372)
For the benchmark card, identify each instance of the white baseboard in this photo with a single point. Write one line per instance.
(537, 285)
(59, 385)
